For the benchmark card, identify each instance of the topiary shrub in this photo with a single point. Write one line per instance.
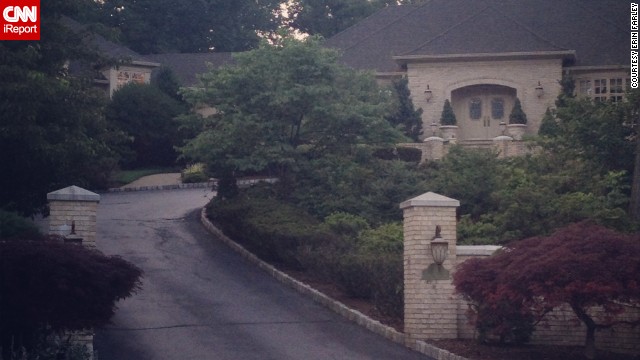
(448, 117)
(517, 115)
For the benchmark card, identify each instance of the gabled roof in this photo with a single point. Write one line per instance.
(596, 31)
(104, 46)
(187, 66)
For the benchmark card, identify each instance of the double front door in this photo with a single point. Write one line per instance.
(480, 109)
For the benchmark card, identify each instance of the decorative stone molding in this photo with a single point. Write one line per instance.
(449, 133)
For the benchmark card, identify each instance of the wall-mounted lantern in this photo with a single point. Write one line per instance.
(439, 253)
(428, 94)
(539, 90)
(439, 248)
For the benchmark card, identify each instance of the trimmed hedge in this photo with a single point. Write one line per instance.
(367, 265)
(274, 231)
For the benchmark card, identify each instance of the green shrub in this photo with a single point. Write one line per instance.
(517, 115)
(385, 239)
(13, 225)
(273, 230)
(345, 224)
(409, 154)
(194, 173)
(448, 117)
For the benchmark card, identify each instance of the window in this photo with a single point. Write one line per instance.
(584, 87)
(475, 109)
(125, 77)
(616, 89)
(611, 89)
(600, 89)
(497, 108)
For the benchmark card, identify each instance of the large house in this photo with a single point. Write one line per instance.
(483, 54)
(479, 54)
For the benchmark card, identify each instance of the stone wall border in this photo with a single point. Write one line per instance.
(336, 306)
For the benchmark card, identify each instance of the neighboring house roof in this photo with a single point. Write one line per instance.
(104, 46)
(186, 67)
(595, 31)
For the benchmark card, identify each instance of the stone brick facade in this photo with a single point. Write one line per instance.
(523, 75)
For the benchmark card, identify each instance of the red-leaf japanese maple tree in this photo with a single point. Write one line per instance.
(45, 283)
(583, 265)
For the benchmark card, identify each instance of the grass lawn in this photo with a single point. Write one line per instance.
(124, 177)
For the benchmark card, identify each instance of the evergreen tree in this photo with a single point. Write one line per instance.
(448, 117)
(517, 115)
(548, 125)
(405, 115)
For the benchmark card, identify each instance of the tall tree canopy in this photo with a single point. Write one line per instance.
(281, 101)
(52, 132)
(328, 17)
(161, 26)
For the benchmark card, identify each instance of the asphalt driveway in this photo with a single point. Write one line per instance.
(203, 301)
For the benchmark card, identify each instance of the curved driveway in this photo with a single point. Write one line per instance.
(200, 300)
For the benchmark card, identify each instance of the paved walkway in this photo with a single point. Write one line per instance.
(155, 180)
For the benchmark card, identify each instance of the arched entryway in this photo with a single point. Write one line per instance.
(481, 108)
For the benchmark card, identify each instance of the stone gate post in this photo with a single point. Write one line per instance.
(430, 309)
(74, 209)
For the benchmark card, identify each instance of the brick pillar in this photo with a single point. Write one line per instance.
(434, 148)
(503, 145)
(430, 307)
(74, 207)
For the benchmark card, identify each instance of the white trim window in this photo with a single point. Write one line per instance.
(602, 88)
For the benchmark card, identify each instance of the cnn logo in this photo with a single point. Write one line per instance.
(20, 20)
(14, 14)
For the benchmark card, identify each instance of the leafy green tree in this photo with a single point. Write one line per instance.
(470, 176)
(161, 26)
(329, 17)
(53, 132)
(147, 114)
(282, 103)
(405, 115)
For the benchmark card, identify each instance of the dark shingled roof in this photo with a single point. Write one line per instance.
(597, 30)
(103, 45)
(187, 66)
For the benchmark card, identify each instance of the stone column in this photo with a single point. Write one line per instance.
(73, 209)
(434, 148)
(430, 309)
(502, 144)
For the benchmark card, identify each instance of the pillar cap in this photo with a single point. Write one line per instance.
(430, 199)
(73, 193)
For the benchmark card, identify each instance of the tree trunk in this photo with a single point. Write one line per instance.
(590, 342)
